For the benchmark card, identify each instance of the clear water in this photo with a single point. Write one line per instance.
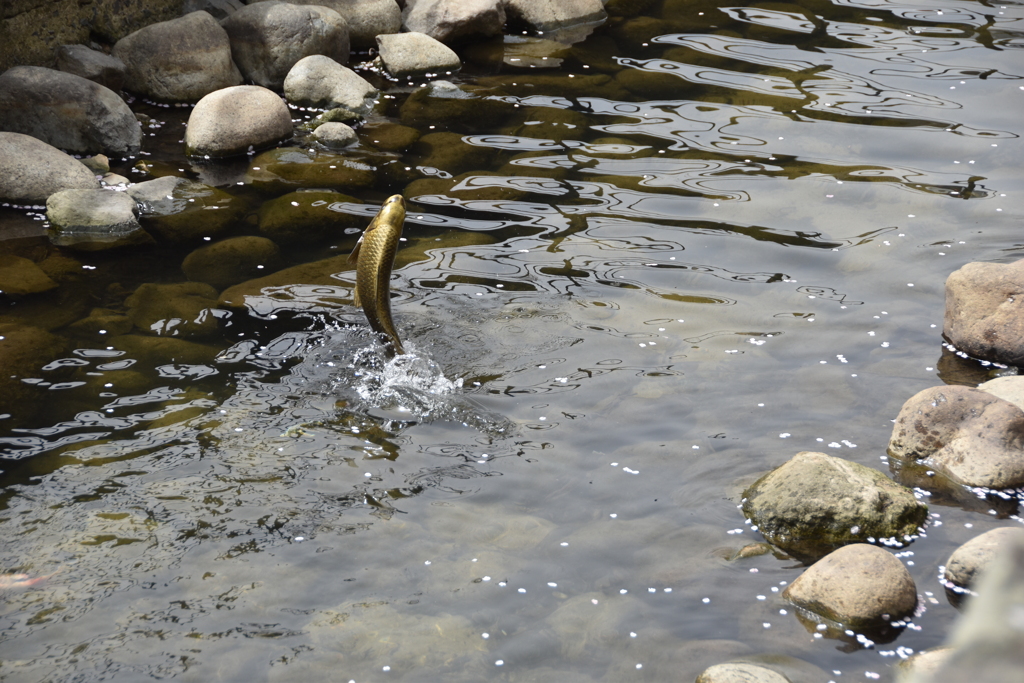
(739, 260)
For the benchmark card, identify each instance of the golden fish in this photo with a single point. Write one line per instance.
(374, 255)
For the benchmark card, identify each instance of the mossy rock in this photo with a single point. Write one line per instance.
(390, 137)
(316, 274)
(231, 261)
(289, 168)
(20, 276)
(443, 107)
(181, 211)
(545, 123)
(174, 310)
(306, 217)
(450, 153)
(24, 350)
(566, 85)
(102, 321)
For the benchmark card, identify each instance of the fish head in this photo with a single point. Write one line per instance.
(392, 211)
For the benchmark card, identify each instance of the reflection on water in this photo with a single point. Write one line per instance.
(636, 277)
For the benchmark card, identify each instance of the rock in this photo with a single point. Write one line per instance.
(551, 15)
(19, 276)
(390, 137)
(269, 38)
(740, 672)
(289, 168)
(317, 273)
(446, 104)
(157, 351)
(92, 64)
(231, 261)
(983, 317)
(180, 60)
(449, 152)
(553, 124)
(102, 321)
(335, 135)
(921, 665)
(598, 85)
(971, 435)
(366, 19)
(31, 170)
(408, 55)
(182, 211)
(336, 115)
(814, 503)
(321, 82)
(307, 217)
(176, 310)
(1009, 388)
(454, 21)
(67, 111)
(988, 641)
(236, 121)
(218, 9)
(99, 164)
(24, 350)
(969, 560)
(93, 220)
(860, 586)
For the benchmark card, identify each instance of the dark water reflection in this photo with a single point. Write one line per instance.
(722, 241)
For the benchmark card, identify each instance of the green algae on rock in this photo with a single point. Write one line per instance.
(307, 217)
(231, 261)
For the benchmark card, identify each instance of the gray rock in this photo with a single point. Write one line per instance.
(179, 60)
(183, 211)
(969, 560)
(231, 261)
(551, 15)
(454, 21)
(983, 315)
(67, 111)
(92, 64)
(269, 38)
(922, 665)
(319, 81)
(971, 435)
(860, 586)
(415, 54)
(93, 220)
(366, 19)
(218, 9)
(740, 672)
(815, 503)
(335, 135)
(31, 170)
(988, 641)
(235, 121)
(1009, 388)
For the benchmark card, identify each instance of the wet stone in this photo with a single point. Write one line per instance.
(94, 220)
(92, 64)
(218, 9)
(234, 121)
(20, 276)
(968, 561)
(336, 115)
(335, 135)
(183, 211)
(321, 82)
(102, 321)
(307, 217)
(175, 310)
(598, 85)
(390, 137)
(267, 291)
(860, 586)
(815, 503)
(409, 55)
(290, 168)
(445, 104)
(231, 261)
(653, 85)
(922, 665)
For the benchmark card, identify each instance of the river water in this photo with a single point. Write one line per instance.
(707, 238)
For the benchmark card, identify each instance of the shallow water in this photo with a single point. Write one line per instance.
(688, 280)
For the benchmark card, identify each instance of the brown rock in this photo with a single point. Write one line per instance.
(985, 311)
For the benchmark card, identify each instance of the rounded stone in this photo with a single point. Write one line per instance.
(231, 261)
(454, 21)
(321, 82)
(859, 586)
(740, 672)
(183, 309)
(968, 561)
(415, 54)
(235, 121)
(984, 314)
(181, 211)
(31, 170)
(307, 217)
(335, 135)
(20, 276)
(93, 220)
(23, 351)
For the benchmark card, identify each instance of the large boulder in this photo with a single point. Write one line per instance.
(972, 436)
(815, 503)
(181, 211)
(406, 55)
(985, 311)
(860, 586)
(94, 220)
(308, 217)
(67, 111)
(237, 120)
(366, 19)
(92, 64)
(551, 15)
(321, 82)
(31, 170)
(454, 21)
(231, 261)
(268, 38)
(967, 562)
(218, 9)
(179, 60)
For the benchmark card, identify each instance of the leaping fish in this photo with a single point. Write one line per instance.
(374, 256)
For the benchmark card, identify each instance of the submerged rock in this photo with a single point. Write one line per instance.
(180, 60)
(973, 436)
(407, 55)
(390, 137)
(269, 38)
(454, 21)
(860, 586)
(306, 217)
(967, 562)
(67, 111)
(740, 672)
(20, 276)
(985, 311)
(183, 211)
(815, 503)
(289, 168)
(231, 261)
(31, 170)
(235, 121)
(321, 82)
(183, 309)
(451, 153)
(92, 64)
(442, 102)
(94, 220)
(23, 352)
